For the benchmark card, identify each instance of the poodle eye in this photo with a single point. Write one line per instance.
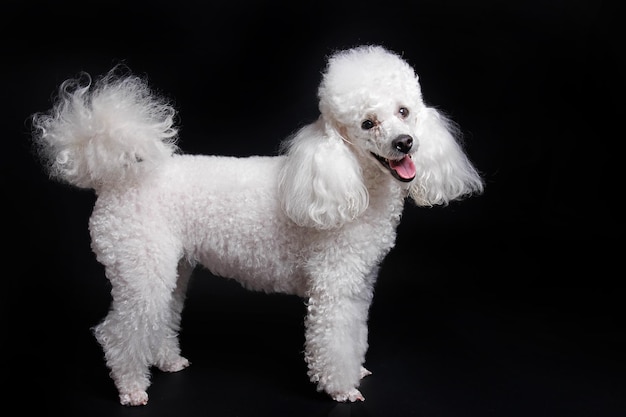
(404, 112)
(367, 124)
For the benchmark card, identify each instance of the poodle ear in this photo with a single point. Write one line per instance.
(320, 183)
(444, 173)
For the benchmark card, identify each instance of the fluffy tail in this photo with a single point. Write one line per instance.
(105, 133)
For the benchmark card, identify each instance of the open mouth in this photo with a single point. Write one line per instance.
(402, 169)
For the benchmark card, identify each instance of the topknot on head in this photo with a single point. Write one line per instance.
(362, 76)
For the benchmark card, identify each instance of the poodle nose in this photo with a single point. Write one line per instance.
(403, 143)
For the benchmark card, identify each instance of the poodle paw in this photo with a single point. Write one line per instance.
(137, 397)
(177, 364)
(365, 372)
(349, 396)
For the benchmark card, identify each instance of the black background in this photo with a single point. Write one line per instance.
(505, 304)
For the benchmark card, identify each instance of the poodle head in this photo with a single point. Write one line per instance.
(372, 98)
(372, 118)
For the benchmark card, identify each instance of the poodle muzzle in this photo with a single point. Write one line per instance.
(402, 168)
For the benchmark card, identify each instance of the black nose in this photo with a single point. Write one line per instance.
(402, 143)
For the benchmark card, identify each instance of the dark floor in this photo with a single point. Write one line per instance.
(435, 350)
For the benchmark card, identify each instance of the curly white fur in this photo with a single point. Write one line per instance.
(315, 221)
(95, 137)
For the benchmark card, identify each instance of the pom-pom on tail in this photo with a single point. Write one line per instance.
(104, 133)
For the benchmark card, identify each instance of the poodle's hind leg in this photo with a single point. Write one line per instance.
(126, 344)
(168, 358)
(139, 320)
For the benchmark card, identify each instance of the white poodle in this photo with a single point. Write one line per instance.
(315, 221)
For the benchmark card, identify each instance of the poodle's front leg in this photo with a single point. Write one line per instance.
(336, 342)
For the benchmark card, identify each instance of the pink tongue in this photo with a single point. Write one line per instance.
(404, 167)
